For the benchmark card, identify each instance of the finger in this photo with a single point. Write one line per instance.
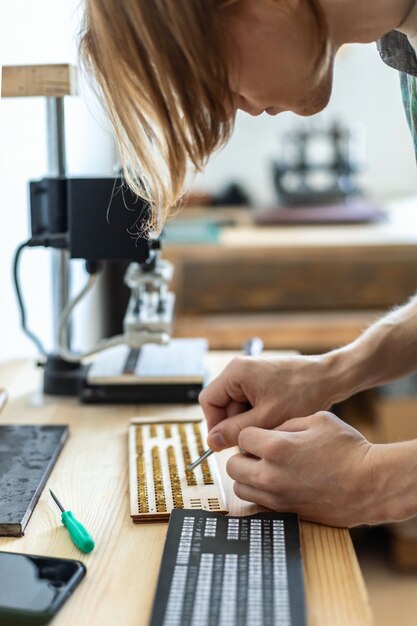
(212, 413)
(244, 469)
(217, 402)
(235, 408)
(215, 415)
(232, 409)
(254, 440)
(264, 498)
(226, 433)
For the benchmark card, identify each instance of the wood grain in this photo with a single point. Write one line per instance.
(311, 288)
(23, 81)
(306, 332)
(159, 454)
(91, 479)
(249, 280)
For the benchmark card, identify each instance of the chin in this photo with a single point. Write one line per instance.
(311, 108)
(318, 99)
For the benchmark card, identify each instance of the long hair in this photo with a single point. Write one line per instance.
(161, 67)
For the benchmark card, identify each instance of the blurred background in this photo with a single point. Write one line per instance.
(366, 99)
(305, 281)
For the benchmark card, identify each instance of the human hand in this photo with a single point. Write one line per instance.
(265, 393)
(316, 466)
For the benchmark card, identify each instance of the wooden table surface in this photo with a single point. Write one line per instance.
(91, 479)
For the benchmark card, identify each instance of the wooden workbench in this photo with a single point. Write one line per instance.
(91, 478)
(309, 288)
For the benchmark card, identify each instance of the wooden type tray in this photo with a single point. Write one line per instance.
(159, 452)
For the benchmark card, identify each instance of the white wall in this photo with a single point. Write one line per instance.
(42, 31)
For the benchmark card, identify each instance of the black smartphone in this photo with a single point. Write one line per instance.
(32, 588)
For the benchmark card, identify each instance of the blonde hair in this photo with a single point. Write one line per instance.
(161, 67)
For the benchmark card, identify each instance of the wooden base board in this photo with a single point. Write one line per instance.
(159, 453)
(308, 332)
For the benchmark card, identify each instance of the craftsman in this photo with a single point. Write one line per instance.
(173, 73)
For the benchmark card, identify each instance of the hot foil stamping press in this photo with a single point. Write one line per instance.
(143, 363)
(99, 219)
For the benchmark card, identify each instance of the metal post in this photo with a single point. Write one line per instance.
(55, 119)
(57, 167)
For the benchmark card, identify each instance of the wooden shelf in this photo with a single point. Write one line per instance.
(306, 332)
(24, 81)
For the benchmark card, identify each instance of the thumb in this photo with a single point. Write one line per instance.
(226, 433)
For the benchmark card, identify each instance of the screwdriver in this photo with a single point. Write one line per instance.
(79, 535)
(252, 347)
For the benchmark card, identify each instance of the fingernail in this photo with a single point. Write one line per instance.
(216, 441)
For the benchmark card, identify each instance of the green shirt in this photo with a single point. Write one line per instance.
(409, 93)
(397, 52)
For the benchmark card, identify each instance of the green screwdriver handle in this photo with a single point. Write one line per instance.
(79, 535)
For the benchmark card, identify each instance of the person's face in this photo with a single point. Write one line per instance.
(273, 58)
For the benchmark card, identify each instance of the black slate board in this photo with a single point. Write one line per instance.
(230, 570)
(27, 456)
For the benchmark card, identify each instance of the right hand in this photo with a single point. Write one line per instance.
(263, 393)
(321, 468)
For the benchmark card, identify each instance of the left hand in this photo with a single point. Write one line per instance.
(316, 466)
